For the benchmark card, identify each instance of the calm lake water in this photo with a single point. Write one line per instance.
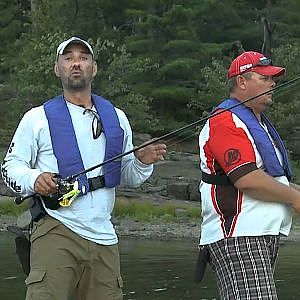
(156, 270)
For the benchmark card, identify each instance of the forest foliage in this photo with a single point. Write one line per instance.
(164, 62)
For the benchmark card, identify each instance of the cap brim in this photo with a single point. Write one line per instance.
(269, 70)
(62, 50)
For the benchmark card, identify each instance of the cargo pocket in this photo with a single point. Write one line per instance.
(36, 288)
(35, 276)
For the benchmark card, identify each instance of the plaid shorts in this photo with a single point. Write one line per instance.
(244, 267)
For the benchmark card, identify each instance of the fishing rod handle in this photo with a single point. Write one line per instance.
(19, 199)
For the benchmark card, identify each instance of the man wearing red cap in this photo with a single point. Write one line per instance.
(245, 192)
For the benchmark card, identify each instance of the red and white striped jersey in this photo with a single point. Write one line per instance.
(226, 148)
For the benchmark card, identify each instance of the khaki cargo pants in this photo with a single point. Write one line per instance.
(65, 266)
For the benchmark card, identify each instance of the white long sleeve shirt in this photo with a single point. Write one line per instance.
(31, 154)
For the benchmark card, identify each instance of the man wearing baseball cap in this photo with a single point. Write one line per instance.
(74, 246)
(73, 40)
(254, 62)
(245, 191)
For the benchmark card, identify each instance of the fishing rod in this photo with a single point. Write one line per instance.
(167, 135)
(67, 181)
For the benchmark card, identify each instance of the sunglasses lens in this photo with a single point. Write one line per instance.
(264, 62)
(96, 127)
(261, 62)
(96, 123)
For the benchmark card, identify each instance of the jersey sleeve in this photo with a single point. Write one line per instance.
(229, 143)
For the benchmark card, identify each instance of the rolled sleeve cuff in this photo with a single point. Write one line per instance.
(34, 174)
(143, 167)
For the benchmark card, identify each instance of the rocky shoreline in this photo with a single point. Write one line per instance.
(129, 228)
(181, 230)
(162, 231)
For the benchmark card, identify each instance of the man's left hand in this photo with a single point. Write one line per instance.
(151, 153)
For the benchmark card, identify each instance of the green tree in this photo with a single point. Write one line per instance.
(164, 31)
(286, 110)
(176, 57)
(13, 21)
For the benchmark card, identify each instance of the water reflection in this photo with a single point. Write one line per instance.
(11, 276)
(162, 270)
(156, 270)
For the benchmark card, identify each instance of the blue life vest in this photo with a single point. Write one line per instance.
(65, 146)
(261, 139)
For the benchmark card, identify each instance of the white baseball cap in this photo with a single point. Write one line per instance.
(62, 46)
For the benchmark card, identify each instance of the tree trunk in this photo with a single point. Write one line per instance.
(268, 30)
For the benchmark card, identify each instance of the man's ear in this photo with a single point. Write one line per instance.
(95, 68)
(56, 70)
(241, 82)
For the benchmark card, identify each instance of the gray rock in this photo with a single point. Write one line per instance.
(178, 189)
(194, 192)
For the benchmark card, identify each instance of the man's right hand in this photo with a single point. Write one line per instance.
(296, 202)
(296, 206)
(45, 184)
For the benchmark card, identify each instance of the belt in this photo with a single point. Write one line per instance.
(96, 183)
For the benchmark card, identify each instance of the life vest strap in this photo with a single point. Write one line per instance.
(96, 183)
(216, 179)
